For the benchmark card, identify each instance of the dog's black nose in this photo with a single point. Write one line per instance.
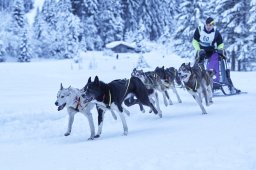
(56, 103)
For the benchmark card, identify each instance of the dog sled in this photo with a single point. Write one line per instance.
(222, 82)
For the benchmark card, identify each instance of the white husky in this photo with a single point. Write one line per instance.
(72, 99)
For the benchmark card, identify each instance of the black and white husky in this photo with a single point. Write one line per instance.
(169, 77)
(198, 83)
(72, 99)
(111, 95)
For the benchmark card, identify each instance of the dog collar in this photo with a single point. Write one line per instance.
(194, 89)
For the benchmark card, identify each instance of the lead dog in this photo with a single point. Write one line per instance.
(111, 95)
(198, 83)
(72, 99)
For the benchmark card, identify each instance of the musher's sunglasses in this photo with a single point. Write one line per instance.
(212, 23)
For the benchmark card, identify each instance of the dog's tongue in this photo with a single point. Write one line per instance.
(61, 107)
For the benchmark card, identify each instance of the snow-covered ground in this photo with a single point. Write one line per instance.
(32, 130)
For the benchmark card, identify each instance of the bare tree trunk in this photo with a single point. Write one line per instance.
(233, 61)
(239, 65)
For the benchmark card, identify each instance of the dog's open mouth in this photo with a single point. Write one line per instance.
(61, 107)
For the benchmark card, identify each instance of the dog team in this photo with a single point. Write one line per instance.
(142, 89)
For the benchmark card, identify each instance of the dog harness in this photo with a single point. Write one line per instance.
(127, 87)
(78, 101)
(188, 87)
(109, 101)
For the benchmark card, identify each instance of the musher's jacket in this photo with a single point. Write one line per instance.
(206, 40)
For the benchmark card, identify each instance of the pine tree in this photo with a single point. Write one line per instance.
(17, 28)
(142, 63)
(24, 55)
(108, 20)
(233, 15)
(252, 31)
(68, 30)
(2, 52)
(186, 25)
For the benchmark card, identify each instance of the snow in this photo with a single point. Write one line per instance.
(116, 43)
(32, 130)
(31, 15)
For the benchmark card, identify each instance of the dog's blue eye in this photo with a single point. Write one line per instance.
(62, 96)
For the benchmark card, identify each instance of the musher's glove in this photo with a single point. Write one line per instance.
(200, 55)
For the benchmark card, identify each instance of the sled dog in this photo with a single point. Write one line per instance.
(111, 95)
(72, 99)
(152, 81)
(169, 76)
(198, 83)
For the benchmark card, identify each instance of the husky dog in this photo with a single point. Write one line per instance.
(198, 83)
(169, 76)
(111, 95)
(71, 98)
(152, 81)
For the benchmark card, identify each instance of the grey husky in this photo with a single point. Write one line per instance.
(198, 83)
(72, 99)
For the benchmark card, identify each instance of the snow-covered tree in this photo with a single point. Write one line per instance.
(17, 27)
(186, 25)
(252, 30)
(67, 31)
(109, 21)
(7, 5)
(2, 52)
(44, 29)
(129, 15)
(233, 16)
(24, 54)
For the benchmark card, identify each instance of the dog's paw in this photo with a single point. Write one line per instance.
(125, 133)
(90, 138)
(96, 136)
(67, 134)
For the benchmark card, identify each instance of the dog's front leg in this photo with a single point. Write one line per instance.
(168, 97)
(101, 113)
(71, 114)
(91, 124)
(165, 100)
(124, 123)
(176, 93)
(155, 95)
(120, 112)
(199, 102)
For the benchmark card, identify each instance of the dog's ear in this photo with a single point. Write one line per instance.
(96, 80)
(89, 80)
(61, 87)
